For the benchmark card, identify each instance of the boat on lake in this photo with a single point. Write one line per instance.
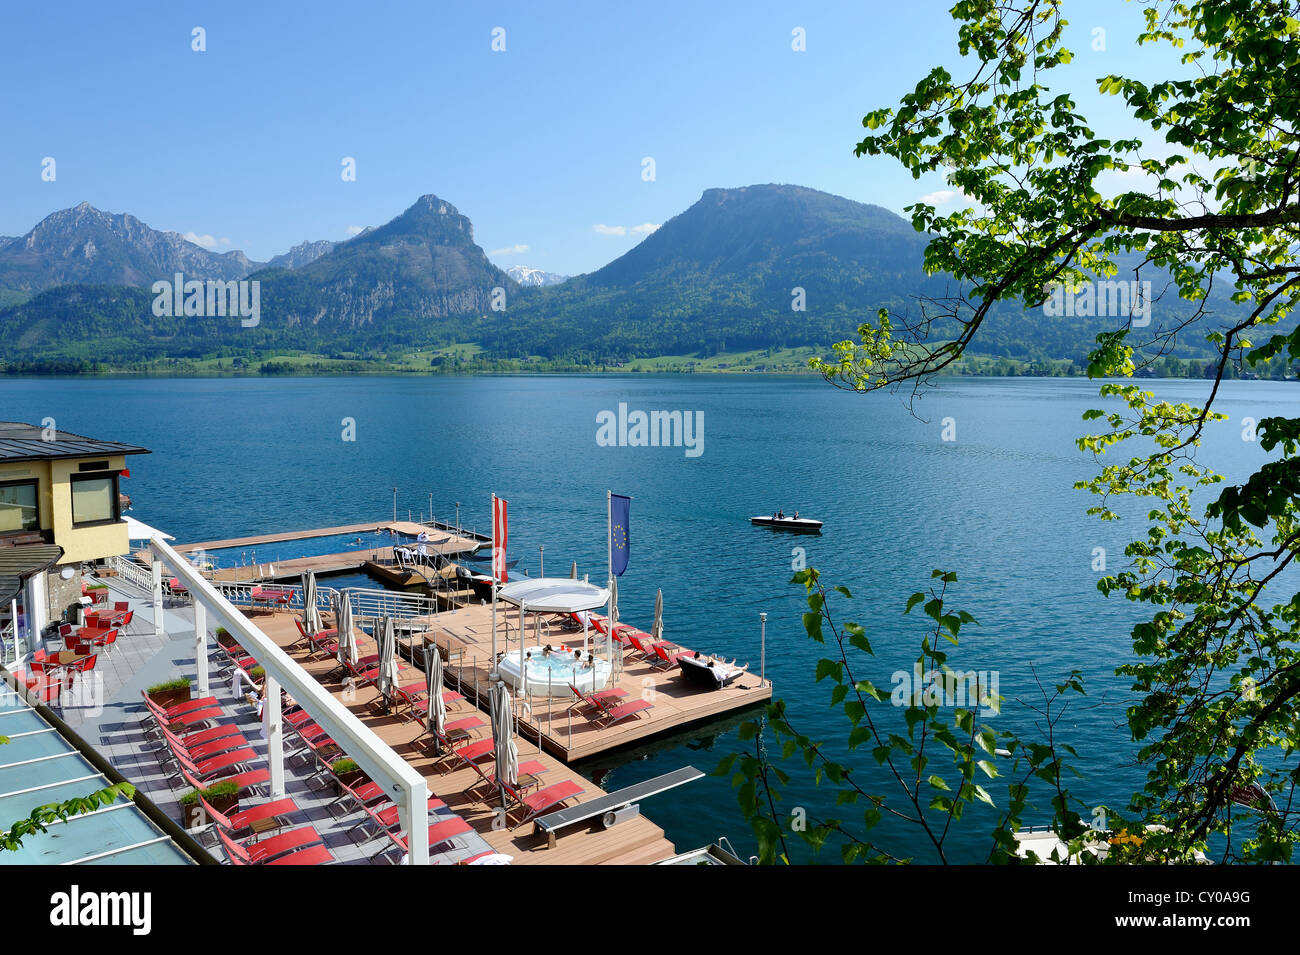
(805, 525)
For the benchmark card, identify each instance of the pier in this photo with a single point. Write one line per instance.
(465, 639)
(376, 561)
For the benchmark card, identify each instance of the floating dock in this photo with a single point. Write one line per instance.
(378, 562)
(465, 637)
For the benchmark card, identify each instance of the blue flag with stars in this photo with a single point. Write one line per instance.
(619, 542)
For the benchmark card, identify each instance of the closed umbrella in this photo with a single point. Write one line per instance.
(389, 673)
(347, 639)
(507, 752)
(573, 571)
(311, 621)
(657, 631)
(436, 719)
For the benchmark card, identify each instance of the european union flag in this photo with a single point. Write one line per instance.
(619, 542)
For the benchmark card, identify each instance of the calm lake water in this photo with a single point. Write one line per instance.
(246, 456)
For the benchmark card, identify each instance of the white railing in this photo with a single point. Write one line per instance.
(391, 603)
(132, 572)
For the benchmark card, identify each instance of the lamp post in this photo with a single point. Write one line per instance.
(541, 557)
(394, 505)
(762, 648)
(458, 518)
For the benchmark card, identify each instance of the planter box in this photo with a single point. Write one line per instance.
(195, 815)
(166, 698)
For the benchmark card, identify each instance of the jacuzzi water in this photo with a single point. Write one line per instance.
(552, 674)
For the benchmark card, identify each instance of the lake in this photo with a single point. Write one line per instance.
(247, 456)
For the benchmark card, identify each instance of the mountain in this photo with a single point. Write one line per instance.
(742, 269)
(730, 272)
(421, 266)
(84, 245)
(304, 253)
(530, 278)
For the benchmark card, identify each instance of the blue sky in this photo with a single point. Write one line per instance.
(539, 145)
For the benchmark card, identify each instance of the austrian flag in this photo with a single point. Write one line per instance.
(499, 533)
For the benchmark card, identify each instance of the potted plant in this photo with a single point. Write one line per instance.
(223, 797)
(347, 771)
(170, 693)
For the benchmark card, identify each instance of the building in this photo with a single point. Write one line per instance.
(60, 508)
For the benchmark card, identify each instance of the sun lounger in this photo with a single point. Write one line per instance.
(616, 714)
(266, 817)
(544, 799)
(259, 853)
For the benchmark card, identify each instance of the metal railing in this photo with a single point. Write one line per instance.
(132, 571)
(390, 603)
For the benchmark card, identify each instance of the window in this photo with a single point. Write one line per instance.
(94, 499)
(18, 511)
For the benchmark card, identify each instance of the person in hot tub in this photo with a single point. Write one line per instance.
(590, 663)
(546, 650)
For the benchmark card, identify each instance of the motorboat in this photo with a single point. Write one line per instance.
(805, 525)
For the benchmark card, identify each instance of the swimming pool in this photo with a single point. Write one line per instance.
(275, 552)
(551, 674)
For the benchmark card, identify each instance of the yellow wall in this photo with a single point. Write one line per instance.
(55, 504)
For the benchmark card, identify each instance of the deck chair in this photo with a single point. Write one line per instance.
(266, 817)
(548, 798)
(616, 714)
(260, 853)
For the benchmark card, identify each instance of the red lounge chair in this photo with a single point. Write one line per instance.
(666, 658)
(544, 799)
(531, 768)
(207, 750)
(217, 767)
(259, 853)
(268, 811)
(316, 855)
(594, 701)
(251, 781)
(439, 833)
(177, 709)
(210, 714)
(621, 712)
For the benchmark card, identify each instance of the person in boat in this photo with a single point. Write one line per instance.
(796, 515)
(780, 515)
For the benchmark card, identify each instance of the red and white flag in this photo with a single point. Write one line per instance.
(500, 527)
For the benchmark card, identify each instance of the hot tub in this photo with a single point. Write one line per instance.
(552, 674)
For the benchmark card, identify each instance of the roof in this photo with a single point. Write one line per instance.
(554, 594)
(19, 563)
(26, 442)
(45, 763)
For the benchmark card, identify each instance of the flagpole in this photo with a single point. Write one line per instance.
(493, 666)
(609, 553)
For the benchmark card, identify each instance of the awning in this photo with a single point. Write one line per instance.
(554, 594)
(19, 563)
(140, 531)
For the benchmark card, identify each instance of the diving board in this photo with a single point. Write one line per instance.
(613, 808)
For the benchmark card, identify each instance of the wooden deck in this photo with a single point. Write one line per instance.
(457, 545)
(635, 842)
(466, 636)
(379, 561)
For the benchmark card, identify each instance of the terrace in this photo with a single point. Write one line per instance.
(170, 637)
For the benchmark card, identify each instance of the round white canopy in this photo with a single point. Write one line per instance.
(554, 594)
